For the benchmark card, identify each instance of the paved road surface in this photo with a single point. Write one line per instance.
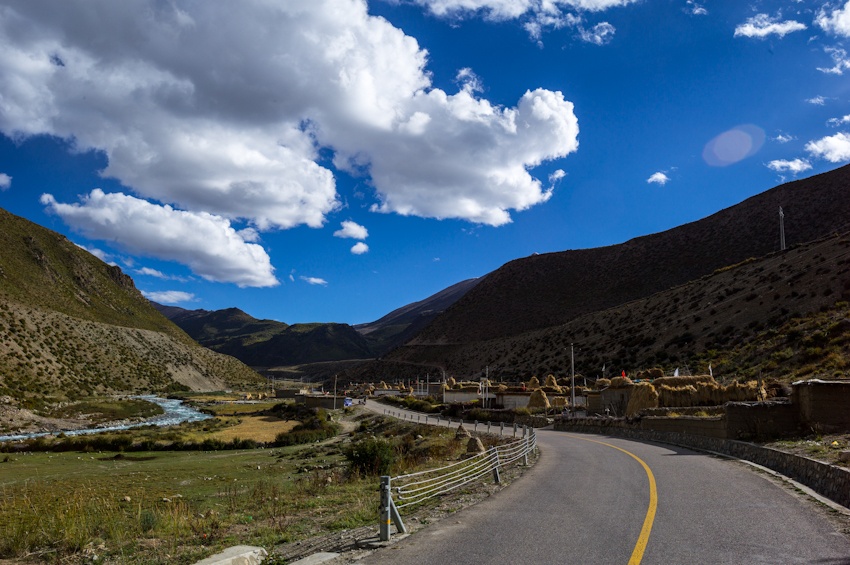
(587, 501)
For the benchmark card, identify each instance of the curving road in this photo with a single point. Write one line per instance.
(590, 500)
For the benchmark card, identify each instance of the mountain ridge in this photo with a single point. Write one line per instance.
(73, 326)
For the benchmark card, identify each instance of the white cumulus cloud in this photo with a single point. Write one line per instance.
(206, 243)
(762, 25)
(352, 230)
(833, 148)
(169, 296)
(359, 248)
(696, 9)
(835, 122)
(195, 108)
(784, 138)
(316, 281)
(658, 178)
(839, 58)
(835, 21)
(784, 166)
(5, 181)
(816, 100)
(600, 34)
(536, 15)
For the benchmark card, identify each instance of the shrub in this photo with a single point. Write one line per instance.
(371, 456)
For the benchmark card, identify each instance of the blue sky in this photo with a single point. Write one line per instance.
(333, 160)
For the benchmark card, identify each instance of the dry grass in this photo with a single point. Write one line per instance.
(683, 381)
(234, 409)
(643, 396)
(620, 382)
(538, 399)
(258, 428)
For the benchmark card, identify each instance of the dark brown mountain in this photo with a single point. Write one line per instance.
(522, 317)
(550, 289)
(267, 344)
(403, 323)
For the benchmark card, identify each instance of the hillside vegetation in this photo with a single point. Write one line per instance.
(73, 326)
(717, 291)
(547, 290)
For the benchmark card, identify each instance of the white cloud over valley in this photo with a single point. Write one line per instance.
(5, 181)
(210, 122)
(170, 296)
(206, 243)
(762, 25)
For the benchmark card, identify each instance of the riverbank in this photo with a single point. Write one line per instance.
(18, 423)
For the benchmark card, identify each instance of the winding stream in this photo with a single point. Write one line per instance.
(175, 413)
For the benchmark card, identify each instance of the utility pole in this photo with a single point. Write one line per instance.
(486, 385)
(781, 229)
(334, 392)
(573, 379)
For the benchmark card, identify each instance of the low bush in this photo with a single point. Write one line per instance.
(371, 456)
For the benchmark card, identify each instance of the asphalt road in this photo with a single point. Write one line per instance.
(589, 500)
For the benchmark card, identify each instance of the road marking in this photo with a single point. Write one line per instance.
(643, 538)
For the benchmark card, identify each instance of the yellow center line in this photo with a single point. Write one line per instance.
(643, 538)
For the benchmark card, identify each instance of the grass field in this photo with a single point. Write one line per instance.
(182, 506)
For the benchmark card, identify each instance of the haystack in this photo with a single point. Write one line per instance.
(643, 396)
(620, 382)
(683, 381)
(559, 401)
(552, 383)
(653, 373)
(679, 396)
(602, 383)
(474, 445)
(538, 399)
(533, 383)
(451, 382)
(737, 392)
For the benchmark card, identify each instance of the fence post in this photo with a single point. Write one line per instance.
(515, 428)
(488, 427)
(527, 442)
(475, 429)
(501, 428)
(386, 500)
(496, 478)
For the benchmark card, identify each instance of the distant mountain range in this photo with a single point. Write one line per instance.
(73, 326)
(268, 344)
(522, 317)
(718, 292)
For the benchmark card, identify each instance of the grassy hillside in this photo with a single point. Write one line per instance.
(43, 269)
(73, 326)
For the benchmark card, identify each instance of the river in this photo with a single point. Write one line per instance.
(175, 413)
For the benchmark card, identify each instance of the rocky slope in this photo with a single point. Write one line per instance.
(72, 326)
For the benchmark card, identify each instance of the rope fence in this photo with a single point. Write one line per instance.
(413, 488)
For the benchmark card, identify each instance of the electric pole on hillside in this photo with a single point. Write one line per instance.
(781, 229)
(573, 379)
